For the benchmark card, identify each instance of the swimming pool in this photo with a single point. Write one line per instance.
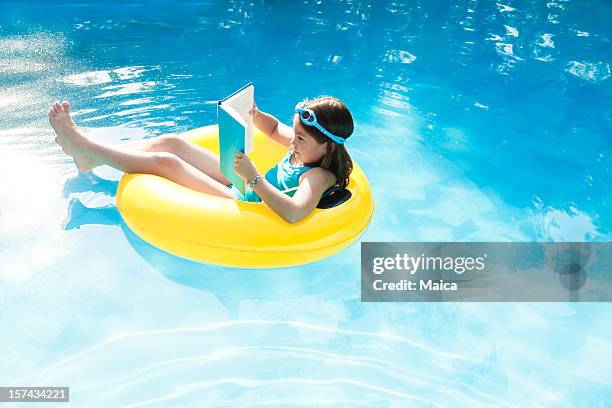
(476, 121)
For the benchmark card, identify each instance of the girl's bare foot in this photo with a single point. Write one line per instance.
(69, 137)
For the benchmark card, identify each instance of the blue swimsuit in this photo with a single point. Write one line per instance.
(284, 176)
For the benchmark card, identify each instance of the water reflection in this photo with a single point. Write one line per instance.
(225, 283)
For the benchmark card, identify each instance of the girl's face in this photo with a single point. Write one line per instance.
(305, 147)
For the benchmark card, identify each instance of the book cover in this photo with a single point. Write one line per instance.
(235, 131)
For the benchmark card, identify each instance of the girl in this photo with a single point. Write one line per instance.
(316, 160)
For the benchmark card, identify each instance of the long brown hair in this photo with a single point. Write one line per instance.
(335, 117)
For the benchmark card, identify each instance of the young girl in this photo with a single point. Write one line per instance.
(316, 160)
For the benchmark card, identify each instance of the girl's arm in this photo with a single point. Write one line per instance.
(272, 127)
(312, 185)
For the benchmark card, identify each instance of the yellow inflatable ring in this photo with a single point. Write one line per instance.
(222, 231)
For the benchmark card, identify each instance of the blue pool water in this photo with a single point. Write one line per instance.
(476, 121)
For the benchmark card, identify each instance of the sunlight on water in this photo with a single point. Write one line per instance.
(29, 224)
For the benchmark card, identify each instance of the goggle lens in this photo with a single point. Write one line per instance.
(307, 116)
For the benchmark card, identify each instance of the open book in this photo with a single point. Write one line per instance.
(235, 131)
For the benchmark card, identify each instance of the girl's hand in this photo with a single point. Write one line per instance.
(244, 167)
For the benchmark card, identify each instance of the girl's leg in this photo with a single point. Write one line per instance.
(163, 164)
(200, 158)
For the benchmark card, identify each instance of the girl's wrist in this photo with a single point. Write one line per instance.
(253, 181)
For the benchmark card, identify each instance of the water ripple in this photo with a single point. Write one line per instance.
(400, 56)
(592, 72)
(212, 327)
(390, 372)
(185, 389)
(127, 89)
(415, 378)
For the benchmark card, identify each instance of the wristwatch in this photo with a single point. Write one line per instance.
(255, 180)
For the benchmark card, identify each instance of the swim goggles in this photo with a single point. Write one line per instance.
(308, 118)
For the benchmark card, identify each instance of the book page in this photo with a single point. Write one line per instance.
(241, 103)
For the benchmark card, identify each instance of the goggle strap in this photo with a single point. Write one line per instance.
(312, 121)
